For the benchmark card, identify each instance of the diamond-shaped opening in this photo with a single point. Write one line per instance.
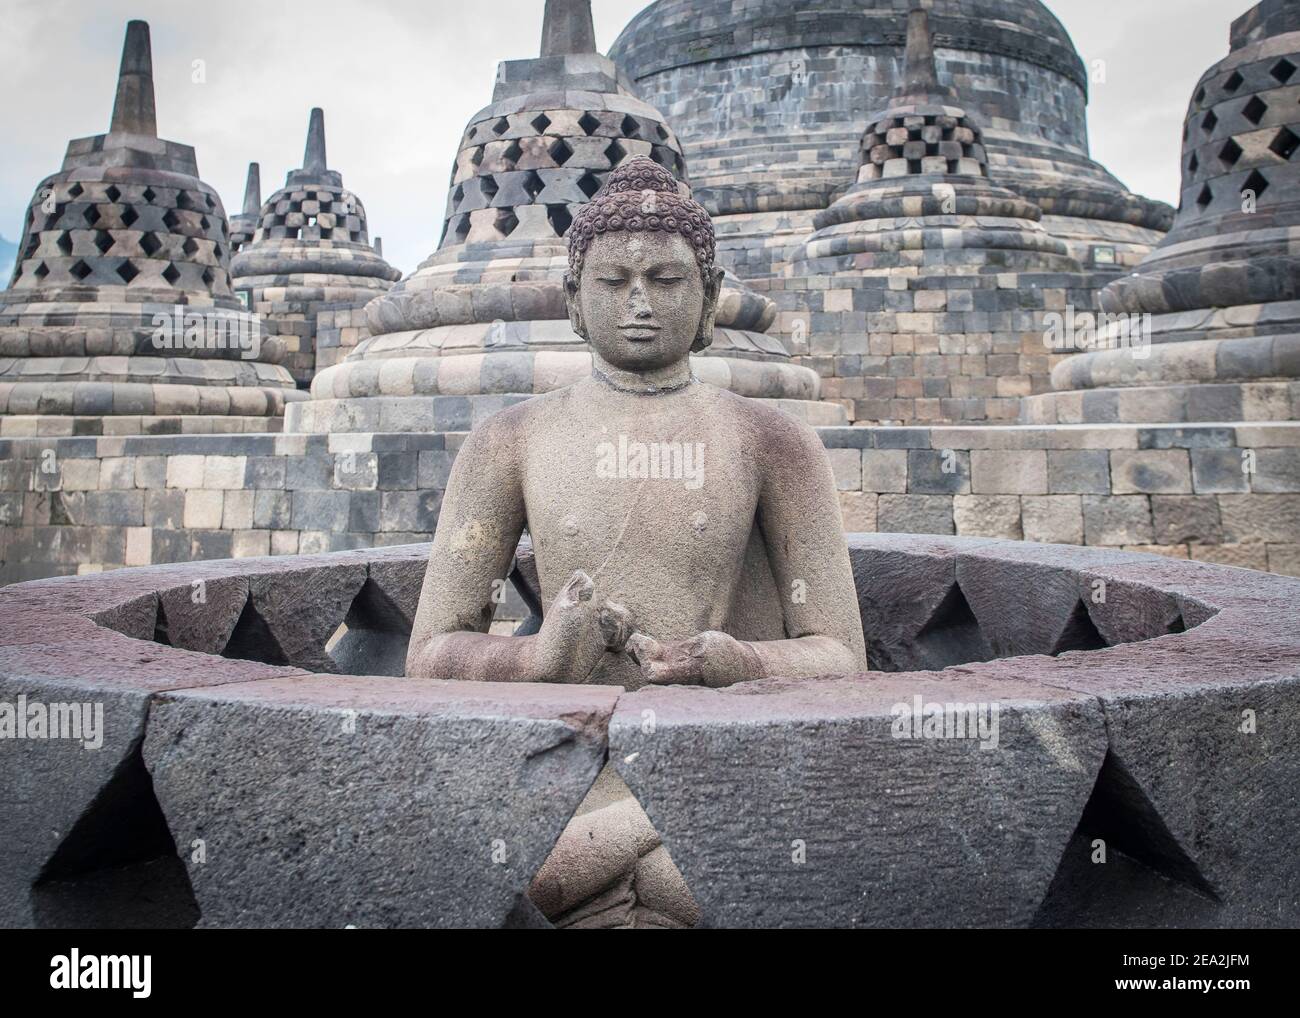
(560, 151)
(1282, 71)
(90, 215)
(506, 222)
(113, 194)
(661, 131)
(1255, 109)
(1200, 96)
(1209, 123)
(171, 274)
(457, 195)
(75, 190)
(207, 276)
(170, 219)
(207, 200)
(615, 153)
(512, 153)
(590, 123)
(1256, 183)
(1147, 871)
(33, 242)
(631, 127)
(533, 184)
(81, 270)
(560, 218)
(1229, 153)
(462, 228)
(1284, 143)
(1233, 82)
(183, 200)
(1205, 197)
(501, 126)
(664, 156)
(252, 639)
(117, 867)
(488, 187)
(540, 123)
(148, 194)
(477, 158)
(951, 636)
(127, 271)
(150, 244)
(1079, 633)
(204, 223)
(64, 243)
(373, 638)
(41, 271)
(1193, 164)
(589, 184)
(129, 216)
(103, 241)
(190, 246)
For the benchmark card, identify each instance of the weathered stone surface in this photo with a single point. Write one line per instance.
(328, 802)
(853, 818)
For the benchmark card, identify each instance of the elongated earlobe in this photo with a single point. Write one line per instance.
(573, 305)
(712, 292)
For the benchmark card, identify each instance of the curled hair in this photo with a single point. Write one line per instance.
(641, 195)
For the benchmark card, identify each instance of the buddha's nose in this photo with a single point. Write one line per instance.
(638, 302)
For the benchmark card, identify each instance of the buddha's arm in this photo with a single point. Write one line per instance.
(799, 516)
(478, 529)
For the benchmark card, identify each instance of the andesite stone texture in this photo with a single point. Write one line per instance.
(1120, 718)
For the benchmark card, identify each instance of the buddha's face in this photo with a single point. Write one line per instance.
(642, 300)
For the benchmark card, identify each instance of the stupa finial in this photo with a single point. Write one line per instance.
(253, 191)
(133, 107)
(919, 75)
(567, 28)
(313, 159)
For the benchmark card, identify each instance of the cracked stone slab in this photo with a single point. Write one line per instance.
(375, 802)
(892, 832)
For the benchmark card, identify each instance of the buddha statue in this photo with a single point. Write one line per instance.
(681, 533)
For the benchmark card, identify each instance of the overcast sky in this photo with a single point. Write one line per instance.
(399, 79)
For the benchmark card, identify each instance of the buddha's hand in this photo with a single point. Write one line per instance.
(576, 632)
(710, 659)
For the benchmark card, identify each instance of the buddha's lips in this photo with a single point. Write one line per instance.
(639, 332)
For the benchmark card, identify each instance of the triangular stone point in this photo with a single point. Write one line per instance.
(1079, 633)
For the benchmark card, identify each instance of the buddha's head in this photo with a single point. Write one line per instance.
(642, 288)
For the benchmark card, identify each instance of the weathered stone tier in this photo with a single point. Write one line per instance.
(266, 698)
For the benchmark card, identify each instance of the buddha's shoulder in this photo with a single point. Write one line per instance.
(762, 419)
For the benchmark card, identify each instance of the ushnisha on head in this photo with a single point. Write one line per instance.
(642, 285)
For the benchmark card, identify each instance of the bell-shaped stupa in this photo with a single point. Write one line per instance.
(932, 266)
(1223, 288)
(482, 322)
(121, 303)
(310, 252)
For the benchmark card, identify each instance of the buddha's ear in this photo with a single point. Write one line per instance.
(571, 303)
(712, 292)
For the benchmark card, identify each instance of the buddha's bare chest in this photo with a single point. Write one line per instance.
(655, 510)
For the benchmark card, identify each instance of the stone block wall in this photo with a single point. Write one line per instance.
(894, 348)
(340, 326)
(1220, 493)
